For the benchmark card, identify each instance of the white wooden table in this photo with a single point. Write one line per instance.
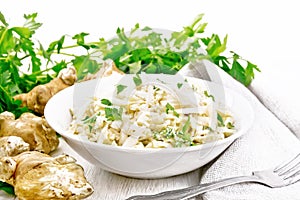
(109, 186)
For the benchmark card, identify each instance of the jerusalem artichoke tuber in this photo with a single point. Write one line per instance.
(12, 146)
(37, 98)
(38, 176)
(32, 129)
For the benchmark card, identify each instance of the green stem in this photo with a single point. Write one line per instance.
(24, 57)
(3, 35)
(66, 54)
(77, 45)
(5, 92)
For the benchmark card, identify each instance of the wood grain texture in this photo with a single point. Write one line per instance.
(109, 186)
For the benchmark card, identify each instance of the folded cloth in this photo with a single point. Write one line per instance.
(268, 143)
(280, 95)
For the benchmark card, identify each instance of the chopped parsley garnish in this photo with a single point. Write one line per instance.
(113, 114)
(220, 120)
(91, 119)
(120, 88)
(179, 85)
(137, 80)
(186, 125)
(170, 107)
(106, 102)
(180, 138)
(209, 95)
(156, 88)
(230, 125)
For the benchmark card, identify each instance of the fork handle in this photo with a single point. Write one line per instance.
(193, 191)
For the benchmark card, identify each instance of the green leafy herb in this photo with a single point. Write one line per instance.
(170, 107)
(90, 128)
(84, 65)
(230, 125)
(186, 125)
(120, 88)
(56, 45)
(209, 95)
(179, 85)
(113, 114)
(137, 80)
(180, 138)
(220, 120)
(80, 40)
(17, 48)
(149, 52)
(90, 120)
(9, 189)
(106, 102)
(2, 19)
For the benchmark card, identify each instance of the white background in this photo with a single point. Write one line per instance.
(264, 32)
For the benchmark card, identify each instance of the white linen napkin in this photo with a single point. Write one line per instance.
(268, 143)
(280, 94)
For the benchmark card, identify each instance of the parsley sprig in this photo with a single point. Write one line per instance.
(138, 50)
(149, 50)
(25, 62)
(18, 49)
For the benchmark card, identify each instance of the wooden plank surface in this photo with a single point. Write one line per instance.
(109, 186)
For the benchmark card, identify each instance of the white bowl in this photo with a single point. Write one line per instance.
(143, 163)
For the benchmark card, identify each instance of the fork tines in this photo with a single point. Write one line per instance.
(290, 168)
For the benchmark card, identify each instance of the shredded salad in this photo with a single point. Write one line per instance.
(153, 116)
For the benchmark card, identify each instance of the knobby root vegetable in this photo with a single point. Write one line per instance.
(37, 98)
(38, 176)
(32, 129)
(12, 146)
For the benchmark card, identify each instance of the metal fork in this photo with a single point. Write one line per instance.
(283, 175)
